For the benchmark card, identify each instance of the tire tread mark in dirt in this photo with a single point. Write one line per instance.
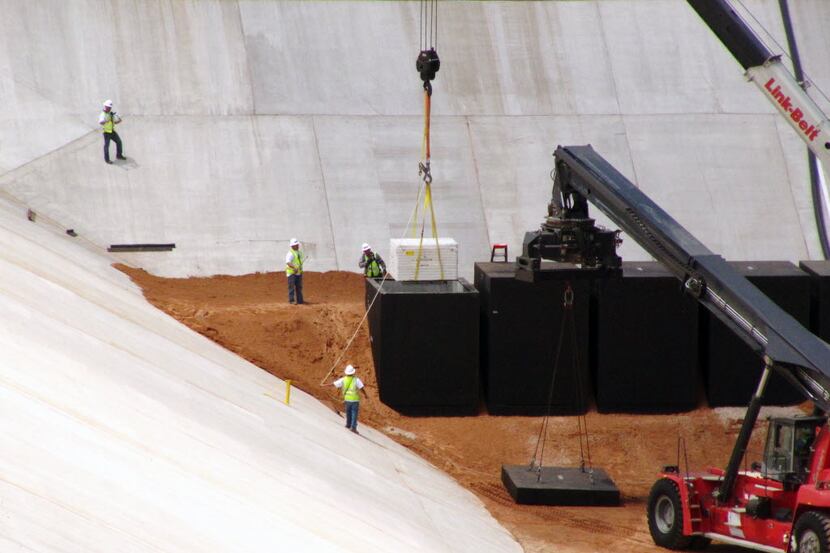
(498, 494)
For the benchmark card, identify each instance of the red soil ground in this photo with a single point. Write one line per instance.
(250, 316)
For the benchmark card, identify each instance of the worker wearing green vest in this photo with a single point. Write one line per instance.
(351, 387)
(371, 263)
(108, 120)
(294, 260)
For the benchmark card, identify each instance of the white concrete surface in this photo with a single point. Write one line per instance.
(125, 431)
(249, 122)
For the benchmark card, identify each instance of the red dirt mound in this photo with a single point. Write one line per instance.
(250, 315)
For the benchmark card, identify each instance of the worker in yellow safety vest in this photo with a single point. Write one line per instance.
(108, 120)
(371, 263)
(351, 387)
(294, 260)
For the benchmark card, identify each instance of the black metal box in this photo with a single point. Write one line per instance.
(819, 272)
(563, 486)
(645, 344)
(425, 345)
(521, 329)
(732, 368)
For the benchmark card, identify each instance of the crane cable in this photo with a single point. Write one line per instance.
(428, 25)
(362, 320)
(585, 462)
(427, 64)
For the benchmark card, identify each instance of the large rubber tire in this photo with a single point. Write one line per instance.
(665, 515)
(811, 533)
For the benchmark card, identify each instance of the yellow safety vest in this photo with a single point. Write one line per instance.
(109, 124)
(298, 262)
(350, 389)
(372, 269)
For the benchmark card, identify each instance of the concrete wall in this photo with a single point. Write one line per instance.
(250, 122)
(125, 431)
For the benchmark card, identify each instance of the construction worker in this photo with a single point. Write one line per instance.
(108, 120)
(294, 260)
(351, 388)
(371, 263)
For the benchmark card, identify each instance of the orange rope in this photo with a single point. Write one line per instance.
(427, 194)
(427, 108)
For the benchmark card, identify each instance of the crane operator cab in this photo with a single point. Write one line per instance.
(789, 448)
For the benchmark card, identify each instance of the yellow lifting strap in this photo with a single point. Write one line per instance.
(423, 167)
(428, 203)
(425, 173)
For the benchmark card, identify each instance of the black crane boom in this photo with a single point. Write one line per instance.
(582, 174)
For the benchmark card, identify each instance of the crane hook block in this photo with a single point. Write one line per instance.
(428, 64)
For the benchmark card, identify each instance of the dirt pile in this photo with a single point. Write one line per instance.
(251, 316)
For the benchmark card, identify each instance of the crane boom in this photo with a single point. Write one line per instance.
(582, 174)
(769, 74)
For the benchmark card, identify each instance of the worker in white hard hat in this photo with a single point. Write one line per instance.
(371, 263)
(108, 120)
(351, 387)
(294, 260)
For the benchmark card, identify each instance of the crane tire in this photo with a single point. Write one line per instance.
(811, 533)
(665, 515)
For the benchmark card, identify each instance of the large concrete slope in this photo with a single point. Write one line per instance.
(125, 431)
(249, 122)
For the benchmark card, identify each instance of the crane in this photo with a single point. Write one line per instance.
(775, 82)
(783, 504)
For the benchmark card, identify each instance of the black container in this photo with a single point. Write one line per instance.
(645, 353)
(425, 346)
(819, 272)
(565, 486)
(521, 328)
(732, 368)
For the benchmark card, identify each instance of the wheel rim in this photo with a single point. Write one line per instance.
(664, 514)
(809, 542)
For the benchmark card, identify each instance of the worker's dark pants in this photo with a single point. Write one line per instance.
(115, 138)
(295, 285)
(352, 408)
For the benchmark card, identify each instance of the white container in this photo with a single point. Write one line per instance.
(403, 259)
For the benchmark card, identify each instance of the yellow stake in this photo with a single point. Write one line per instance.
(287, 392)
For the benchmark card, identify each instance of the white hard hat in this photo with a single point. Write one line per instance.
(294, 242)
(349, 370)
(108, 104)
(366, 247)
